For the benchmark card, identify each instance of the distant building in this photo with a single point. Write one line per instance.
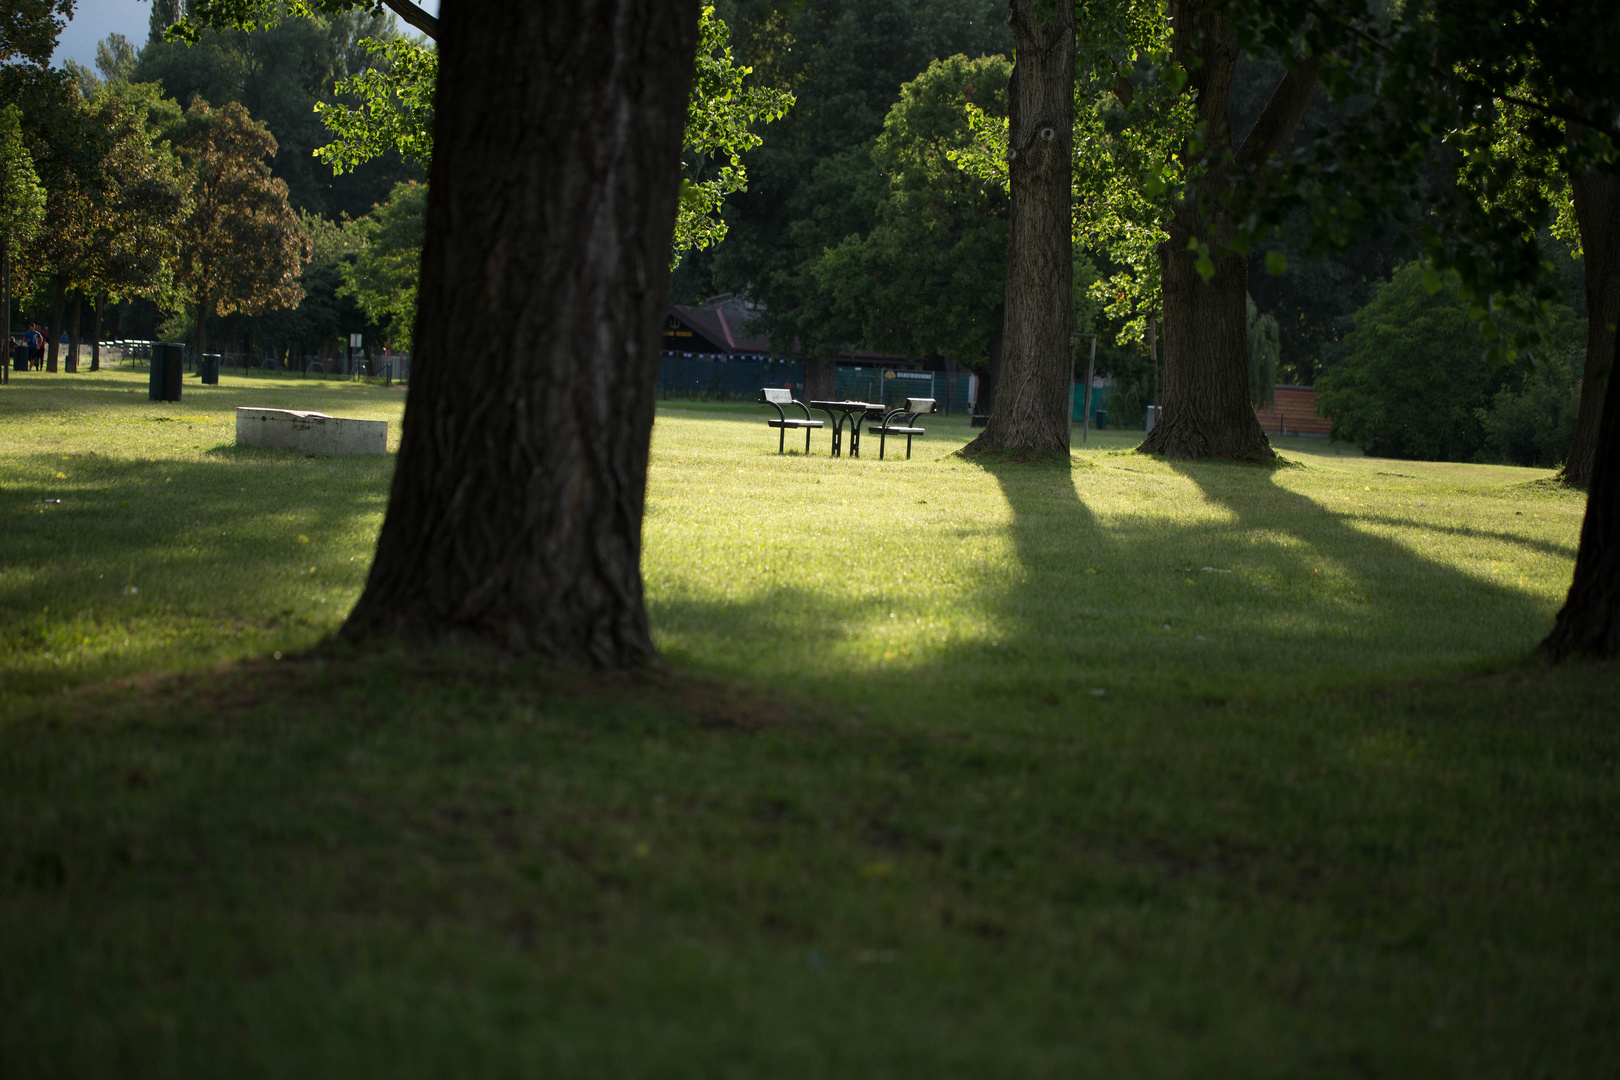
(1294, 413)
(718, 329)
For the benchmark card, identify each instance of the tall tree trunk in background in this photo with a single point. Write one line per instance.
(1207, 412)
(992, 369)
(1589, 623)
(95, 333)
(820, 377)
(51, 349)
(1597, 212)
(74, 322)
(5, 305)
(516, 508)
(1032, 400)
(202, 327)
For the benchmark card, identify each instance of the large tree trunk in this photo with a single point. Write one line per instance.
(51, 343)
(1589, 623)
(1207, 412)
(1597, 212)
(516, 508)
(1032, 400)
(72, 365)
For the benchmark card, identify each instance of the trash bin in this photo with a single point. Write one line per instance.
(19, 358)
(1102, 419)
(208, 369)
(1152, 417)
(168, 363)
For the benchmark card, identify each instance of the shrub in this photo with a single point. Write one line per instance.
(1414, 380)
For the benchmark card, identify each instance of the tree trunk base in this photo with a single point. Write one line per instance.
(1184, 438)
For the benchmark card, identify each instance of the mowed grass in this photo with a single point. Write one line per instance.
(1118, 769)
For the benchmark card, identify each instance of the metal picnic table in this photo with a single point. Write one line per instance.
(852, 411)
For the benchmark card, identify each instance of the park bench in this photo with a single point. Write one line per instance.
(776, 399)
(913, 408)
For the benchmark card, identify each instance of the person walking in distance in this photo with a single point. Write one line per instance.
(36, 347)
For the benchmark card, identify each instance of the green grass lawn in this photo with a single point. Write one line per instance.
(1125, 768)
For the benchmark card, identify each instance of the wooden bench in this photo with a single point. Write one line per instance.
(776, 399)
(913, 408)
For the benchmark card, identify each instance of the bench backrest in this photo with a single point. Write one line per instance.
(919, 404)
(775, 396)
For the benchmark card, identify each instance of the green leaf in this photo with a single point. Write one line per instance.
(1276, 263)
(1431, 281)
(1205, 268)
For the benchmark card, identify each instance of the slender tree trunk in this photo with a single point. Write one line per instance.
(1597, 212)
(5, 305)
(95, 333)
(1589, 623)
(51, 348)
(1153, 357)
(1206, 342)
(820, 378)
(74, 321)
(992, 368)
(516, 509)
(202, 327)
(1032, 404)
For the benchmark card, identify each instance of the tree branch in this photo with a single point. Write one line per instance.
(414, 15)
(1280, 117)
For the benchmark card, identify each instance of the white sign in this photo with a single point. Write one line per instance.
(354, 341)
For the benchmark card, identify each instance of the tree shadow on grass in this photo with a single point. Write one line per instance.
(1262, 592)
(116, 565)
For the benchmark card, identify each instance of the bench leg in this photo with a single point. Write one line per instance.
(807, 432)
(908, 447)
(781, 439)
(883, 439)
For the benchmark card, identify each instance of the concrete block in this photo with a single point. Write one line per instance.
(311, 432)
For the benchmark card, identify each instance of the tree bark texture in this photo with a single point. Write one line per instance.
(51, 349)
(74, 321)
(820, 378)
(1037, 367)
(1589, 623)
(1597, 213)
(1206, 407)
(516, 509)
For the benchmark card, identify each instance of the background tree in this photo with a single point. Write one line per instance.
(22, 208)
(813, 182)
(930, 276)
(396, 108)
(382, 277)
(1032, 385)
(241, 247)
(133, 244)
(1207, 411)
(278, 70)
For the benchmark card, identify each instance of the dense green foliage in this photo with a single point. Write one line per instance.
(22, 200)
(388, 259)
(813, 183)
(278, 73)
(1416, 381)
(929, 277)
